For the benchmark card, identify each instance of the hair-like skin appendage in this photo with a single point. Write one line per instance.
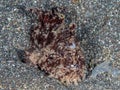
(54, 47)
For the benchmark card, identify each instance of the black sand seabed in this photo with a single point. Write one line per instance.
(99, 37)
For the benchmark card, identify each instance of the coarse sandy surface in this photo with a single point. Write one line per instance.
(98, 26)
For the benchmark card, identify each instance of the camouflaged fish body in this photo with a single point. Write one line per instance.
(54, 47)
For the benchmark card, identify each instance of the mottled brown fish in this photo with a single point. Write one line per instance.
(54, 47)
